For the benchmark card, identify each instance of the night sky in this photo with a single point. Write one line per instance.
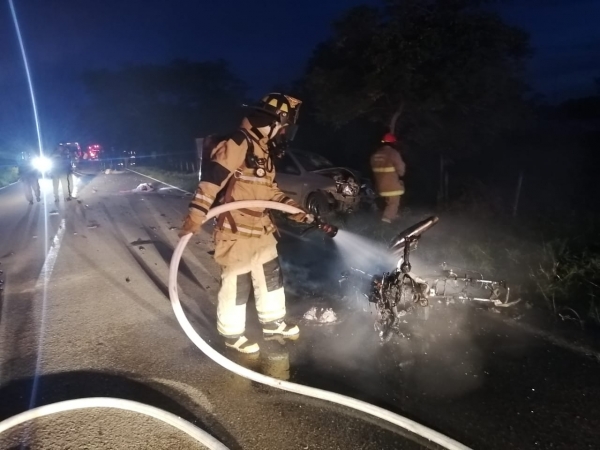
(266, 42)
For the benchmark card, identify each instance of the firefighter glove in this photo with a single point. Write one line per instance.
(303, 217)
(191, 224)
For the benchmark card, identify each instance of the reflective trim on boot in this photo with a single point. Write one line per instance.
(280, 328)
(242, 345)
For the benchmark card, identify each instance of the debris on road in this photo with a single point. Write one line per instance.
(141, 247)
(320, 315)
(53, 213)
(144, 187)
(92, 225)
(173, 228)
(127, 279)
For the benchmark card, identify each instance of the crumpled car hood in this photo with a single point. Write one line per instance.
(331, 171)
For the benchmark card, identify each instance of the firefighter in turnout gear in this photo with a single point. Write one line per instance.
(28, 176)
(388, 169)
(62, 173)
(241, 168)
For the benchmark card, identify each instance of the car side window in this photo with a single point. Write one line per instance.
(286, 165)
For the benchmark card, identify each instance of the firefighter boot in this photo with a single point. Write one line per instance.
(242, 344)
(280, 328)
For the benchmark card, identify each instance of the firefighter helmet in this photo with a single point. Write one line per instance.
(389, 138)
(283, 107)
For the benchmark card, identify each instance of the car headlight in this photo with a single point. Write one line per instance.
(42, 164)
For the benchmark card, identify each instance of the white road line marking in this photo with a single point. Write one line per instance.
(42, 285)
(11, 184)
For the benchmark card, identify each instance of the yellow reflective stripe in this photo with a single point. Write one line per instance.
(392, 193)
(205, 198)
(254, 180)
(228, 331)
(383, 169)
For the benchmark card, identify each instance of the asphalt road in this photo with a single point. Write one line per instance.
(91, 317)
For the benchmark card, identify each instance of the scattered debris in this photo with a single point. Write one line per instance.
(144, 187)
(92, 225)
(152, 228)
(53, 213)
(127, 279)
(141, 247)
(141, 241)
(173, 228)
(320, 315)
(75, 234)
(34, 237)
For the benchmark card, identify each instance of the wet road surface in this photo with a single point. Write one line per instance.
(107, 329)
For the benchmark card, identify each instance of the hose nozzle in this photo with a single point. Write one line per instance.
(328, 229)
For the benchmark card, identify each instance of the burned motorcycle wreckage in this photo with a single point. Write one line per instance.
(399, 294)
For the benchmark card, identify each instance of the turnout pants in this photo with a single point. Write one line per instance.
(392, 204)
(31, 187)
(67, 184)
(248, 264)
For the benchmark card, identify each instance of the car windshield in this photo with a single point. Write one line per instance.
(312, 161)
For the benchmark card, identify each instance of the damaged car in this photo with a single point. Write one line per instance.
(322, 188)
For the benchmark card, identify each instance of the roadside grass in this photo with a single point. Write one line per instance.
(185, 181)
(8, 175)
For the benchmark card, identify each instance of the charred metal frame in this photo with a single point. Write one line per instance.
(394, 293)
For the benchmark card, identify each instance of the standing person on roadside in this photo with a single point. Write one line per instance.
(28, 175)
(388, 169)
(62, 173)
(242, 167)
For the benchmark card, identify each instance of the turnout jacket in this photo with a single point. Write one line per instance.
(387, 166)
(227, 171)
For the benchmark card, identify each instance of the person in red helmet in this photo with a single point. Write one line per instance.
(388, 169)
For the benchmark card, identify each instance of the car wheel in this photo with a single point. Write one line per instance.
(317, 204)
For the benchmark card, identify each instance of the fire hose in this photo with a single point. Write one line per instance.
(114, 403)
(358, 405)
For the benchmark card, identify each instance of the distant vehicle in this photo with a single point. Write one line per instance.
(75, 152)
(319, 186)
(92, 152)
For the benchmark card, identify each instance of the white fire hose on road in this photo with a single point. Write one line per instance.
(114, 403)
(320, 394)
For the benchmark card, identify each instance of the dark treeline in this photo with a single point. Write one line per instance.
(447, 76)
